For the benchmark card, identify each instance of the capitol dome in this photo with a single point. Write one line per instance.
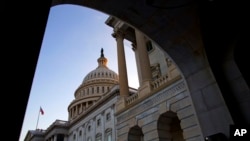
(101, 76)
(94, 86)
(101, 73)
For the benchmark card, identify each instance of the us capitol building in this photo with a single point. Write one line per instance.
(105, 108)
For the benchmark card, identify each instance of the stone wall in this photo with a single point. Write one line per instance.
(146, 114)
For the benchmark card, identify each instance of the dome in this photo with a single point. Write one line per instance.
(99, 74)
(102, 72)
(94, 86)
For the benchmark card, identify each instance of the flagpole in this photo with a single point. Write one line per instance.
(38, 117)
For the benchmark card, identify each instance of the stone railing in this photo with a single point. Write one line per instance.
(154, 84)
(132, 98)
(159, 82)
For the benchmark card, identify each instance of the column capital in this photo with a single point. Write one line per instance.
(118, 34)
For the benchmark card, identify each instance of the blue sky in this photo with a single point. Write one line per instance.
(71, 45)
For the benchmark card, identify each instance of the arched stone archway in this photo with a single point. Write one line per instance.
(135, 134)
(177, 31)
(169, 127)
(183, 43)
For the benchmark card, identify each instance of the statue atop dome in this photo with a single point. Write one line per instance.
(102, 61)
(102, 55)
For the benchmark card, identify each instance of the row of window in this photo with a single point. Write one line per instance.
(77, 110)
(108, 118)
(98, 122)
(74, 112)
(101, 74)
(87, 91)
(108, 135)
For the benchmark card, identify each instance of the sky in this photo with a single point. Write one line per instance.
(71, 45)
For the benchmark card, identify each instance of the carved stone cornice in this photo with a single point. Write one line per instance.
(118, 34)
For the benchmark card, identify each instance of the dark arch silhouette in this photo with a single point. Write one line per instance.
(169, 128)
(26, 22)
(135, 134)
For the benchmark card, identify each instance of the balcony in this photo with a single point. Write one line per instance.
(156, 86)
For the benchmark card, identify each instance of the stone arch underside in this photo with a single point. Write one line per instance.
(169, 128)
(176, 29)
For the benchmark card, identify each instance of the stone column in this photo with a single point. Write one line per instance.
(113, 135)
(87, 105)
(77, 109)
(65, 138)
(55, 137)
(144, 64)
(122, 69)
(103, 125)
(70, 114)
(81, 108)
(94, 128)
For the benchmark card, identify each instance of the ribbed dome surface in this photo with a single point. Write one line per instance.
(100, 73)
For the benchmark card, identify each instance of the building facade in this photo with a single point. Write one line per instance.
(162, 108)
(105, 108)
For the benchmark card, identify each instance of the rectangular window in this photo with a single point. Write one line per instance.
(98, 122)
(108, 116)
(109, 137)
